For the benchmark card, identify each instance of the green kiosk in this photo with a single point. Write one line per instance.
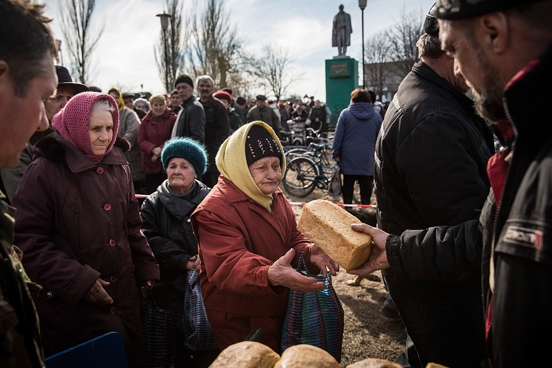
(341, 80)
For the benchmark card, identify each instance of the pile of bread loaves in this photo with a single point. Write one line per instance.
(250, 354)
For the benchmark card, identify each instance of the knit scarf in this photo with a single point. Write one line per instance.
(231, 163)
(72, 122)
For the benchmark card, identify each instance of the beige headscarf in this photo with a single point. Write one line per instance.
(232, 163)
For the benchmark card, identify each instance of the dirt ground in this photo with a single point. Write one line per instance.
(367, 333)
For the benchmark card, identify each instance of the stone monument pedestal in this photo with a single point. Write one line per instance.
(341, 80)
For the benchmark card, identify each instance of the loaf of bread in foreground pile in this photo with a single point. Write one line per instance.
(329, 227)
(246, 354)
(306, 356)
(374, 363)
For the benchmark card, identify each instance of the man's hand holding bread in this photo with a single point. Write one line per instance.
(378, 257)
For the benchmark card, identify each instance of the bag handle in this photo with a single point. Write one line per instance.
(307, 271)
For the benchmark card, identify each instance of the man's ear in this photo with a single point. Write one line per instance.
(495, 32)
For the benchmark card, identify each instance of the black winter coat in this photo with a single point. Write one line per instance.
(430, 160)
(166, 225)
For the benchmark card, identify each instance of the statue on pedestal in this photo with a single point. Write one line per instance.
(341, 33)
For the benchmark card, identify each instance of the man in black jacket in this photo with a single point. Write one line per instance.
(505, 51)
(191, 118)
(217, 127)
(430, 169)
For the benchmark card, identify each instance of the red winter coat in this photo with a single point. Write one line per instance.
(238, 241)
(75, 222)
(154, 134)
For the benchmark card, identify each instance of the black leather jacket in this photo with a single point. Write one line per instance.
(517, 233)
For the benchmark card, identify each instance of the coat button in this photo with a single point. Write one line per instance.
(100, 170)
(112, 242)
(113, 310)
(107, 207)
(113, 278)
(49, 294)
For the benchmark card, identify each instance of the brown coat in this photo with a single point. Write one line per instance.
(75, 222)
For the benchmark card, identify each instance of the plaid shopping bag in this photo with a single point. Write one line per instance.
(158, 333)
(196, 326)
(315, 318)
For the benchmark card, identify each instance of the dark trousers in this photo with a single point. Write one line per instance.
(365, 183)
(445, 322)
(153, 181)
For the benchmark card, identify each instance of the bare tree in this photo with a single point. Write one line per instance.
(217, 50)
(81, 40)
(170, 60)
(403, 37)
(272, 69)
(377, 63)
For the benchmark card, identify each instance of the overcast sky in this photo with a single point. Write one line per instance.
(124, 55)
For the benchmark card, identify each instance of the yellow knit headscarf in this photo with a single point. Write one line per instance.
(120, 102)
(232, 163)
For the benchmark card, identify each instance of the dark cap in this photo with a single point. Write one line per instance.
(431, 26)
(128, 95)
(462, 9)
(183, 78)
(261, 98)
(175, 92)
(222, 95)
(64, 79)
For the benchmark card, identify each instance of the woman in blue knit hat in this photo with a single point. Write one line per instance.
(166, 224)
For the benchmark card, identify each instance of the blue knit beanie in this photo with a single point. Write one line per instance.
(188, 149)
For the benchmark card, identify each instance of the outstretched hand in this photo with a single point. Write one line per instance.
(281, 273)
(323, 261)
(378, 256)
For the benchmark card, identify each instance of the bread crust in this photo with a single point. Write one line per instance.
(246, 354)
(306, 356)
(329, 227)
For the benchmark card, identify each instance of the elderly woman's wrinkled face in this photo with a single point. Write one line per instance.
(158, 107)
(100, 130)
(181, 175)
(142, 106)
(267, 174)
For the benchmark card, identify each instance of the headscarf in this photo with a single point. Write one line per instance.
(232, 164)
(72, 122)
(121, 102)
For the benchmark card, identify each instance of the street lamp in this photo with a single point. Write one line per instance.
(362, 5)
(164, 25)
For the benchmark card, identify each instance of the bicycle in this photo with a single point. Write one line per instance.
(313, 137)
(306, 172)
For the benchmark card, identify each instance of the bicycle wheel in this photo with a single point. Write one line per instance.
(300, 177)
(294, 153)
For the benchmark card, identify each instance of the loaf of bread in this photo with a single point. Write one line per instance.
(246, 354)
(374, 363)
(306, 356)
(435, 365)
(329, 227)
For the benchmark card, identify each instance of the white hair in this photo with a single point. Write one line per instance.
(103, 104)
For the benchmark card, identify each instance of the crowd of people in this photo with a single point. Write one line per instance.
(462, 236)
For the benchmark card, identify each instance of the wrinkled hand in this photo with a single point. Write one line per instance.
(323, 261)
(156, 151)
(378, 256)
(281, 273)
(148, 285)
(97, 293)
(193, 263)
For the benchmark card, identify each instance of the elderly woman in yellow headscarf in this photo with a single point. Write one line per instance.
(249, 244)
(129, 125)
